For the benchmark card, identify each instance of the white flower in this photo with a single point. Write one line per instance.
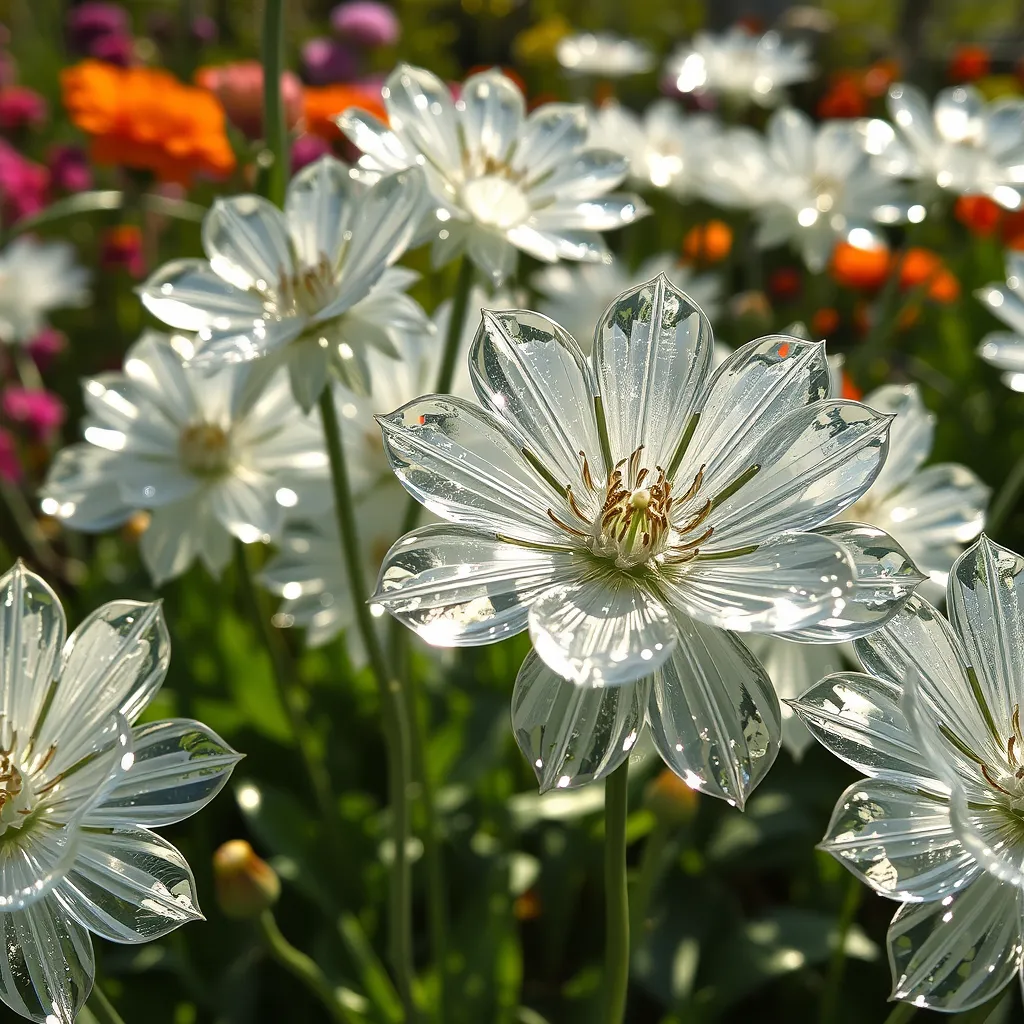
(740, 68)
(808, 185)
(962, 145)
(572, 296)
(35, 278)
(633, 511)
(81, 789)
(213, 452)
(309, 285)
(502, 181)
(935, 723)
(603, 55)
(666, 148)
(1005, 349)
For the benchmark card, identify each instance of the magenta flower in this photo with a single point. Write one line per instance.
(41, 412)
(324, 62)
(90, 22)
(46, 346)
(366, 23)
(21, 108)
(307, 149)
(23, 185)
(10, 466)
(239, 87)
(69, 169)
(118, 50)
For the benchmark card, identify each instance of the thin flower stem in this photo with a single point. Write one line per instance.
(394, 712)
(303, 968)
(837, 965)
(376, 983)
(901, 1012)
(291, 698)
(274, 129)
(25, 366)
(102, 1008)
(652, 862)
(1005, 501)
(616, 957)
(34, 543)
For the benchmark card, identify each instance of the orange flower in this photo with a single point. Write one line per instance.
(860, 268)
(845, 97)
(709, 242)
(147, 119)
(1013, 230)
(849, 390)
(969, 63)
(922, 267)
(879, 77)
(322, 106)
(785, 283)
(825, 322)
(979, 213)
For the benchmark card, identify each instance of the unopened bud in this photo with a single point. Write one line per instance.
(246, 884)
(669, 798)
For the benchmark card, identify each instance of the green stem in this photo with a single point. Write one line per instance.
(1005, 501)
(274, 130)
(34, 543)
(652, 863)
(302, 967)
(394, 711)
(291, 698)
(616, 957)
(376, 983)
(102, 1008)
(901, 1012)
(837, 965)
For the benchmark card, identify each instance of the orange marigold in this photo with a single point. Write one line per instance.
(321, 106)
(978, 213)
(709, 242)
(146, 119)
(969, 63)
(825, 322)
(860, 268)
(845, 97)
(922, 267)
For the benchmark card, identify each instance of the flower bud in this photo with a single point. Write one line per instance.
(246, 884)
(668, 797)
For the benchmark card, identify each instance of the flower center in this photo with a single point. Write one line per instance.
(308, 290)
(15, 795)
(205, 449)
(495, 201)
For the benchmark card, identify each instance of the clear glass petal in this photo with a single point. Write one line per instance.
(457, 587)
(491, 110)
(898, 840)
(574, 735)
(550, 137)
(588, 174)
(652, 354)
(860, 719)
(958, 952)
(246, 241)
(959, 113)
(370, 136)
(605, 212)
(171, 541)
(76, 480)
(790, 134)
(322, 199)
(601, 630)
(884, 580)
(910, 433)
(990, 830)
(714, 715)
(48, 970)
(1005, 302)
(1004, 129)
(422, 114)
(34, 861)
(129, 885)
(458, 462)
(911, 112)
(179, 766)
(785, 584)
(245, 506)
(1003, 350)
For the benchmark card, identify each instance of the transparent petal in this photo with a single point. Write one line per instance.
(456, 587)
(246, 508)
(48, 970)
(375, 139)
(652, 354)
(714, 715)
(1005, 302)
(585, 175)
(791, 135)
(885, 577)
(322, 199)
(34, 861)
(785, 584)
(308, 371)
(32, 628)
(188, 295)
(550, 137)
(492, 110)
(246, 240)
(909, 109)
(601, 630)
(458, 462)
(860, 719)
(1003, 350)
(959, 113)
(129, 885)
(1004, 129)
(78, 481)
(423, 116)
(170, 544)
(899, 841)
(958, 952)
(533, 376)
(910, 433)
(601, 213)
(179, 766)
(493, 253)
(574, 735)
(989, 828)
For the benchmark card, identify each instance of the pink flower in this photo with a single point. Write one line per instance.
(239, 87)
(119, 50)
(306, 149)
(23, 185)
(21, 108)
(325, 62)
(42, 412)
(366, 23)
(69, 169)
(46, 346)
(10, 466)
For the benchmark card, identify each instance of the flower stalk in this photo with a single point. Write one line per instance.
(274, 130)
(102, 1008)
(616, 960)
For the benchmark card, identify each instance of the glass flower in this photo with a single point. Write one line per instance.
(501, 180)
(739, 68)
(603, 55)
(666, 148)
(571, 295)
(963, 144)
(211, 453)
(81, 788)
(633, 511)
(1005, 349)
(309, 285)
(934, 722)
(35, 278)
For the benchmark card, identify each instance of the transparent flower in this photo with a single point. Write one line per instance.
(634, 511)
(963, 145)
(739, 68)
(212, 452)
(934, 722)
(309, 285)
(81, 789)
(666, 148)
(35, 278)
(1005, 349)
(572, 295)
(807, 185)
(603, 55)
(502, 180)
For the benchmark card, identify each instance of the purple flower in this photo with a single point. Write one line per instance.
(23, 185)
(41, 412)
(306, 149)
(21, 108)
(89, 22)
(10, 466)
(69, 169)
(117, 50)
(366, 23)
(46, 346)
(325, 61)
(204, 30)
